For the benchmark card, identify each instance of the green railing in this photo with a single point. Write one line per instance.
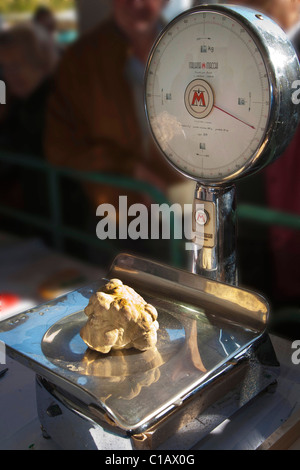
(266, 216)
(55, 224)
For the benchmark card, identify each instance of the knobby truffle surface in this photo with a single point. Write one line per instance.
(119, 318)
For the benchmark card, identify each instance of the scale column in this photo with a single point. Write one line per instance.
(214, 230)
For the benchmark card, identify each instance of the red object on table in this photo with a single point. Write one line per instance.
(8, 300)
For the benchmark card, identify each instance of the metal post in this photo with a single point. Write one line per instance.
(215, 229)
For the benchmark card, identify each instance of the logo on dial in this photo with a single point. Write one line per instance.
(199, 99)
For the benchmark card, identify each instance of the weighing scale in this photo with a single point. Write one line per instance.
(218, 93)
(219, 86)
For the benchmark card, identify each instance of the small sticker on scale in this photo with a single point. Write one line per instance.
(204, 223)
(201, 217)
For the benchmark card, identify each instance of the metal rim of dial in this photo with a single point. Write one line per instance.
(282, 116)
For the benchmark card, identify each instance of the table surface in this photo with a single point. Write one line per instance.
(20, 429)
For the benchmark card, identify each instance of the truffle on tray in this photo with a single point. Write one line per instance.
(119, 318)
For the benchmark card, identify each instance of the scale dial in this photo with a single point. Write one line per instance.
(209, 93)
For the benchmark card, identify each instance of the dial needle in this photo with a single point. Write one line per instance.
(238, 119)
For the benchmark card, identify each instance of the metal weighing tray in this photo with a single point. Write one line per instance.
(212, 341)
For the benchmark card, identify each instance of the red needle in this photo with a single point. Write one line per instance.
(226, 112)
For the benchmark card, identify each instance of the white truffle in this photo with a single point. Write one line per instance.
(119, 318)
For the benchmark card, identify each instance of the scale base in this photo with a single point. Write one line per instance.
(70, 424)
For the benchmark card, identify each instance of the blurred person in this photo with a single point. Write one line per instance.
(45, 18)
(27, 60)
(280, 180)
(96, 119)
(284, 12)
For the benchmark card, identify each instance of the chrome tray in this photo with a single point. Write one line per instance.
(203, 326)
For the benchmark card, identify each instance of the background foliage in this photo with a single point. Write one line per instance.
(17, 6)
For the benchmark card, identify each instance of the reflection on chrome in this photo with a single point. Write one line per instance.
(119, 371)
(228, 343)
(239, 297)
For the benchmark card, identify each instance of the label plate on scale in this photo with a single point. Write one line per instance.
(204, 223)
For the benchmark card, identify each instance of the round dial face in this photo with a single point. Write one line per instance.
(208, 95)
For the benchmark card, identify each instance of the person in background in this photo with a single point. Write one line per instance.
(284, 12)
(96, 119)
(281, 178)
(45, 18)
(28, 60)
